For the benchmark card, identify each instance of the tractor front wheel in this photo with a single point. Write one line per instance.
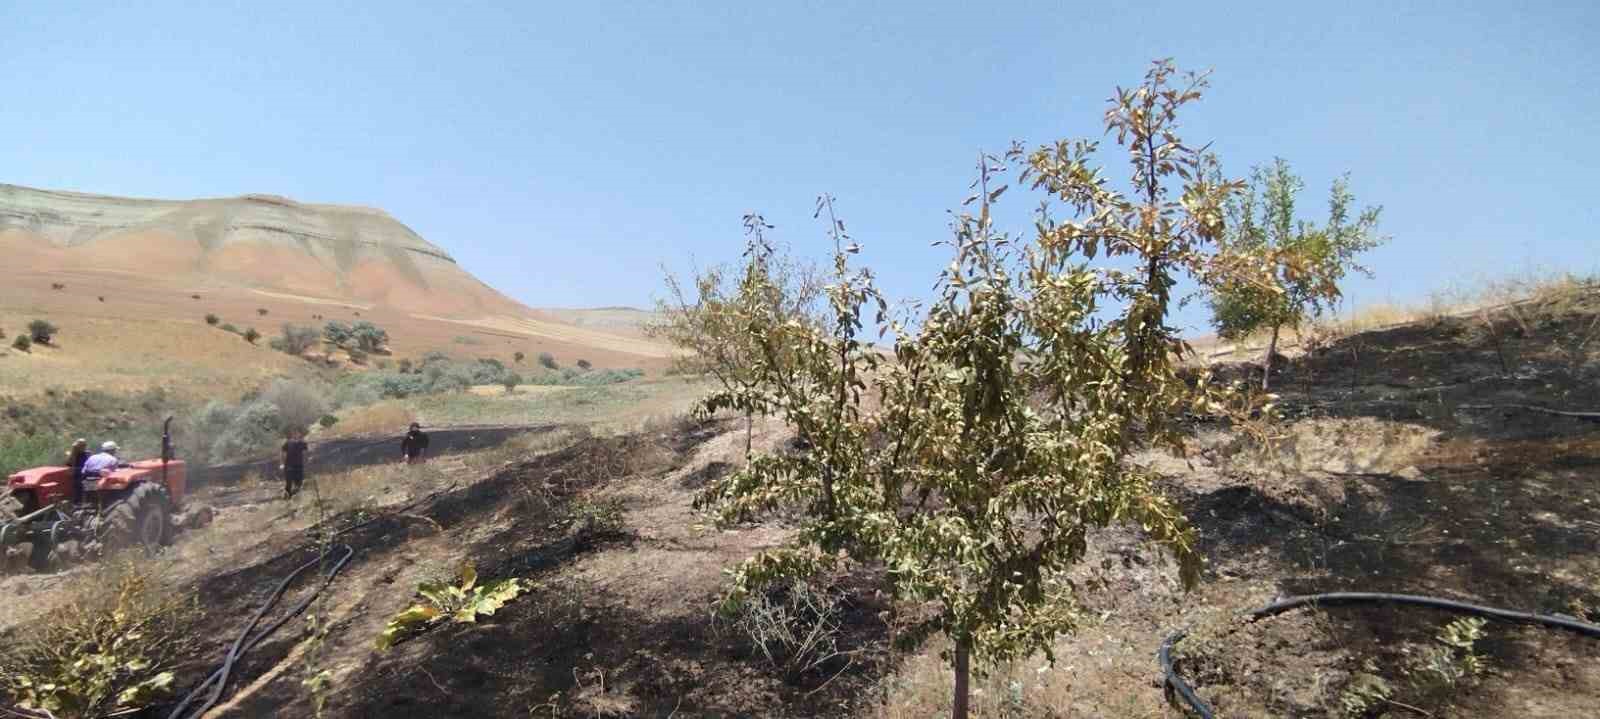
(141, 518)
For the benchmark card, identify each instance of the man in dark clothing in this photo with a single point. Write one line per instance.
(294, 463)
(75, 459)
(414, 447)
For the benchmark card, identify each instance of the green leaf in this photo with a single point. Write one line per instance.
(413, 618)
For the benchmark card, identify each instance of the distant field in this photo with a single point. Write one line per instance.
(152, 334)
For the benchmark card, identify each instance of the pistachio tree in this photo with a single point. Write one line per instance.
(969, 458)
(1309, 260)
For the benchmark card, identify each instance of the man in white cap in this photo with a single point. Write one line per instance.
(102, 462)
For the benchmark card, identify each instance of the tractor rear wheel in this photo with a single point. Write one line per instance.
(142, 517)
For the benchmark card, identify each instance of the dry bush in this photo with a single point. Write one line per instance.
(386, 417)
(298, 406)
(111, 646)
(794, 625)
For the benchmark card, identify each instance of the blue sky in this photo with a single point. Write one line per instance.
(561, 151)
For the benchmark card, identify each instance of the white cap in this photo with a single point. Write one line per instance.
(108, 447)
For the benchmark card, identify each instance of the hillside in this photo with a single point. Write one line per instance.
(137, 273)
(1407, 462)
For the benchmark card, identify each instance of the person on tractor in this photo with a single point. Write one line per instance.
(294, 463)
(414, 448)
(101, 462)
(76, 456)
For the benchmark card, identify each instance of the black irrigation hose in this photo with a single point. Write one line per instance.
(1177, 684)
(218, 679)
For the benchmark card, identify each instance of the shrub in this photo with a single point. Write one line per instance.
(228, 327)
(113, 647)
(254, 429)
(261, 311)
(297, 405)
(405, 366)
(251, 335)
(336, 333)
(212, 320)
(518, 357)
(510, 380)
(369, 337)
(194, 297)
(22, 343)
(584, 365)
(548, 360)
(327, 421)
(278, 344)
(795, 625)
(357, 355)
(298, 338)
(41, 331)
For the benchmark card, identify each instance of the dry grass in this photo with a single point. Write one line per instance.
(1076, 686)
(386, 417)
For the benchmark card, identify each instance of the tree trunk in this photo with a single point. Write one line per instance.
(1266, 367)
(959, 704)
(749, 425)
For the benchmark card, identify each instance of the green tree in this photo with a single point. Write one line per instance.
(510, 380)
(369, 337)
(336, 333)
(22, 343)
(1308, 261)
(972, 464)
(42, 331)
(706, 324)
(548, 361)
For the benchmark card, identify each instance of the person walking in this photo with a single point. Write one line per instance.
(76, 456)
(414, 447)
(294, 463)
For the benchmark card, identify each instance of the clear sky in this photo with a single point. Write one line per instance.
(561, 151)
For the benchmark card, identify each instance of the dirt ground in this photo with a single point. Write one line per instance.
(1386, 477)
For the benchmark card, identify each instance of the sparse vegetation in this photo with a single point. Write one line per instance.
(296, 339)
(229, 327)
(114, 647)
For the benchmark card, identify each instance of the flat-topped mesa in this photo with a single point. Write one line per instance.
(259, 241)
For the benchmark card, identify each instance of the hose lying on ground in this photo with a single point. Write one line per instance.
(1186, 692)
(246, 642)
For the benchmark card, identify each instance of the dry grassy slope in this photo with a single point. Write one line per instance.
(129, 270)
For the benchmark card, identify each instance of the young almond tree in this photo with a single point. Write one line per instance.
(971, 464)
(1310, 261)
(707, 325)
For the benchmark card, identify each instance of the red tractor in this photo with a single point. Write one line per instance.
(129, 506)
